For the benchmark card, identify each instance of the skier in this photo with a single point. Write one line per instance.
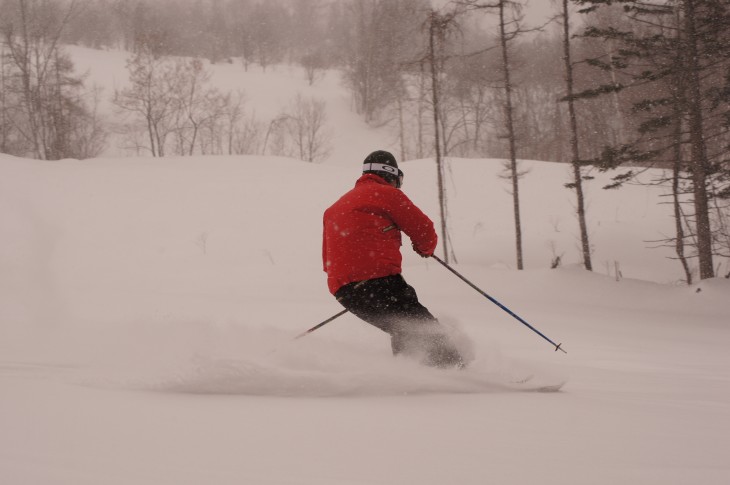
(362, 259)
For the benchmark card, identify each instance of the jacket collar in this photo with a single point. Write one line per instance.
(371, 177)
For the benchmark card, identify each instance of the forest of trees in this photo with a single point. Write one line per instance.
(605, 85)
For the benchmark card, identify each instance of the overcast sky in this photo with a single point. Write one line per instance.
(539, 10)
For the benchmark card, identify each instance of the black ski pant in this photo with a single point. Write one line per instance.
(391, 305)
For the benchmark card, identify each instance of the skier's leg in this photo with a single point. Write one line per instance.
(381, 303)
(370, 301)
(420, 332)
(391, 305)
(414, 330)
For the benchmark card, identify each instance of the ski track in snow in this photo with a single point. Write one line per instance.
(401, 378)
(268, 364)
(242, 377)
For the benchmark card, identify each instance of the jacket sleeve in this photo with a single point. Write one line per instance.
(412, 221)
(324, 245)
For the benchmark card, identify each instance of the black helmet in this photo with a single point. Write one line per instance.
(383, 163)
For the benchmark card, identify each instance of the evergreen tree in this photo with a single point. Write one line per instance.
(677, 51)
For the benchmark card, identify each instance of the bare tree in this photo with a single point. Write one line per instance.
(314, 64)
(90, 137)
(505, 37)
(383, 35)
(198, 109)
(191, 106)
(266, 33)
(304, 126)
(180, 111)
(509, 15)
(577, 183)
(243, 132)
(42, 100)
(5, 103)
(150, 97)
(438, 27)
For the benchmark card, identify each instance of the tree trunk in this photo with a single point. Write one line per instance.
(616, 101)
(699, 163)
(679, 108)
(151, 133)
(401, 128)
(24, 63)
(436, 124)
(4, 121)
(577, 172)
(421, 102)
(511, 136)
(676, 171)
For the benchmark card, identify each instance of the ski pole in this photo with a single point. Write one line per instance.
(483, 293)
(306, 332)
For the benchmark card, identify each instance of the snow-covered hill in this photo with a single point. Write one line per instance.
(148, 307)
(268, 93)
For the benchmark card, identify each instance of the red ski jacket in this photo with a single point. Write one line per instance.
(362, 232)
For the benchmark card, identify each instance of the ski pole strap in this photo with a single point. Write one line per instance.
(493, 300)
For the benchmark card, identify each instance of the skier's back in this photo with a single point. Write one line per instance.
(361, 255)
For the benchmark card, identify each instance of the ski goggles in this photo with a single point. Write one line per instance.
(381, 167)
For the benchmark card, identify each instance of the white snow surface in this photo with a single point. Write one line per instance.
(148, 309)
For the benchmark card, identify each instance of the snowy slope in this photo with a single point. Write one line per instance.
(147, 310)
(267, 95)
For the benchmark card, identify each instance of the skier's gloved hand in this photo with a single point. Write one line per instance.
(421, 253)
